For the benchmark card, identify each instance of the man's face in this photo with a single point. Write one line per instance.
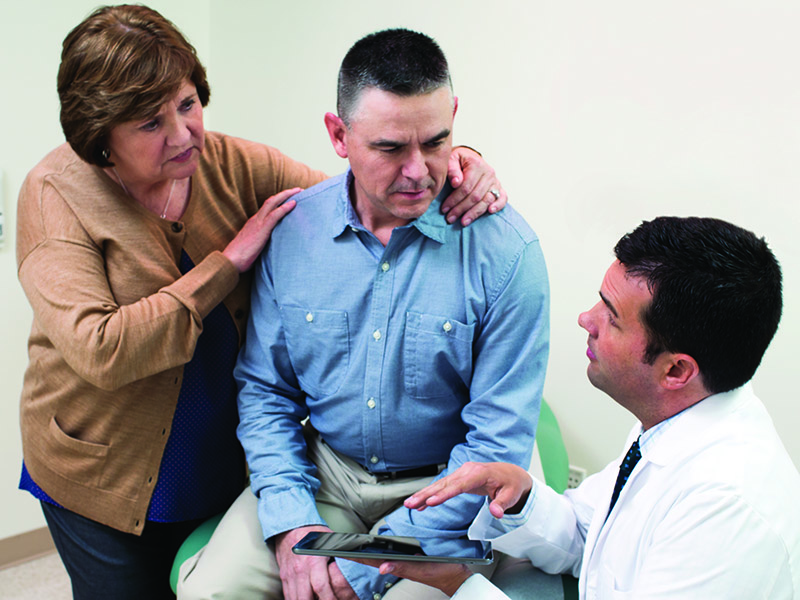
(398, 148)
(617, 339)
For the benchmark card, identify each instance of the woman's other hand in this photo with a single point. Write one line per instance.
(244, 249)
(476, 188)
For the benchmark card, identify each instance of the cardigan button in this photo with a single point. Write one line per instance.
(177, 227)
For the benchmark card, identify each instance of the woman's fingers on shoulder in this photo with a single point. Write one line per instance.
(279, 198)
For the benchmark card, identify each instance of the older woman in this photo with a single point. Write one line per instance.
(133, 240)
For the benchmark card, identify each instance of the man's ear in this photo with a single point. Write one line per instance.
(455, 105)
(679, 371)
(337, 131)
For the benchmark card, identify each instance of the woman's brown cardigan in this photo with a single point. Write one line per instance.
(114, 321)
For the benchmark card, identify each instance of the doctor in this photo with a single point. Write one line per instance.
(704, 503)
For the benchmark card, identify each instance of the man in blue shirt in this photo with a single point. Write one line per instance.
(410, 345)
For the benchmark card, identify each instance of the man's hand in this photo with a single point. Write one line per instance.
(309, 577)
(507, 485)
(473, 182)
(446, 577)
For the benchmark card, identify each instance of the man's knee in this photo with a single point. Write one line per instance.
(192, 583)
(236, 563)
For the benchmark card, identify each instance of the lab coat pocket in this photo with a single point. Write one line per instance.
(437, 357)
(608, 587)
(318, 342)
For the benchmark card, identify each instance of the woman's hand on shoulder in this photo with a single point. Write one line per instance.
(245, 248)
(476, 188)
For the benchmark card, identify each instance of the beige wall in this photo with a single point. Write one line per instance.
(596, 115)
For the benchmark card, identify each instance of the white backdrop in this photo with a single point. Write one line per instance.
(596, 116)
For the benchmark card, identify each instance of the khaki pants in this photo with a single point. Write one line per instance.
(237, 564)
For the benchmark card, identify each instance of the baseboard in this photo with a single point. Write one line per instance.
(25, 546)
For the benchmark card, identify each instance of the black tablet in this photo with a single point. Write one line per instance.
(362, 545)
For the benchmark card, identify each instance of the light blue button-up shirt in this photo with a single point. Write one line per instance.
(430, 350)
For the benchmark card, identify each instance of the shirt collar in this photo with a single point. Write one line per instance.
(431, 224)
(648, 439)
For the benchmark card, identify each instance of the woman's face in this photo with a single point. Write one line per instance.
(166, 146)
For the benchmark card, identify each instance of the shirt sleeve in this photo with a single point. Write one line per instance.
(272, 407)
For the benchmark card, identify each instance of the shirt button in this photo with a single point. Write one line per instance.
(309, 317)
(447, 326)
(385, 267)
(376, 596)
(374, 460)
(354, 230)
(371, 403)
(376, 334)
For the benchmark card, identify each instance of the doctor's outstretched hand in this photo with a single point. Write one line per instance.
(507, 485)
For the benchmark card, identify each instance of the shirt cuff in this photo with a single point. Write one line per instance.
(276, 519)
(366, 581)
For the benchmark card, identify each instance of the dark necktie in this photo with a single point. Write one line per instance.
(625, 470)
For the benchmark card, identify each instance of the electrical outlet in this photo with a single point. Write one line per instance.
(576, 475)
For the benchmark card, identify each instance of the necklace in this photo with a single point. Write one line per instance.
(166, 206)
(163, 214)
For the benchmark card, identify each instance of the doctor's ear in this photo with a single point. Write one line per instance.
(337, 131)
(680, 370)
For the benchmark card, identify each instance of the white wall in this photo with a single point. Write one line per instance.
(596, 115)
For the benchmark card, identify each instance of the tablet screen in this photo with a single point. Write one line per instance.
(362, 545)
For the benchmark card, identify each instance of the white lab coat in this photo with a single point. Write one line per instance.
(712, 510)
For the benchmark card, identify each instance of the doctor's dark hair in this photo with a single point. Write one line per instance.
(121, 64)
(716, 294)
(399, 61)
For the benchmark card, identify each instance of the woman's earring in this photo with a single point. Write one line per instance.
(106, 153)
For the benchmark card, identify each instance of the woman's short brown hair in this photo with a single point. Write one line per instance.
(121, 64)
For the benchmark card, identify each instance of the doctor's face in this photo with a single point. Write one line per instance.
(618, 339)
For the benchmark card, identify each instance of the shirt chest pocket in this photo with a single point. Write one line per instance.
(318, 342)
(437, 356)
